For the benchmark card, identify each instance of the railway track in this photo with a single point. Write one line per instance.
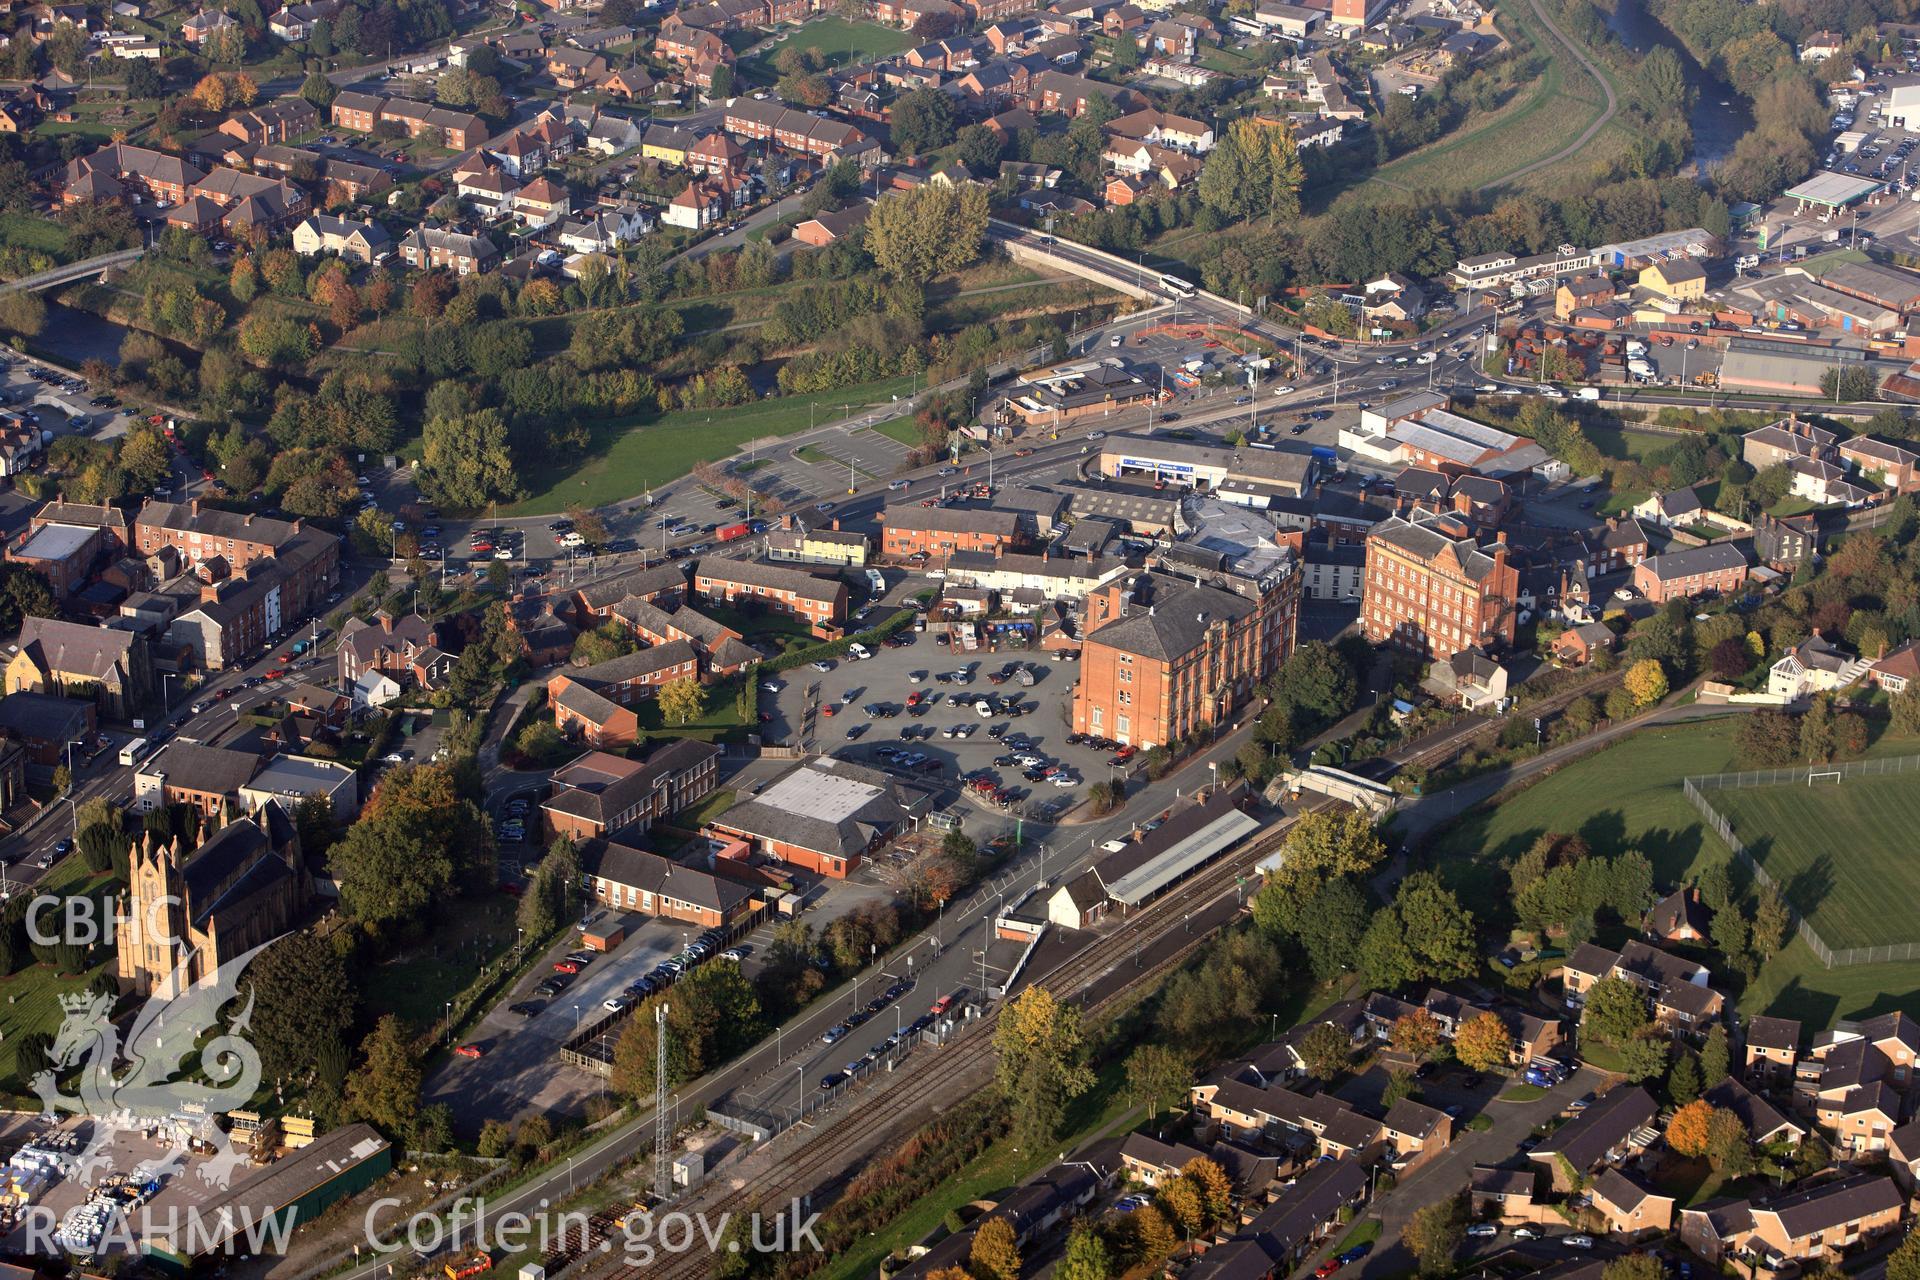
(818, 1153)
(822, 1151)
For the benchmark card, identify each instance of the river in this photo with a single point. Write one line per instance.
(1720, 117)
(72, 337)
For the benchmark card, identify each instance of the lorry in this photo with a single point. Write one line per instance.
(1639, 368)
(728, 532)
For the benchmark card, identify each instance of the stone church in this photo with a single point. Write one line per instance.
(244, 885)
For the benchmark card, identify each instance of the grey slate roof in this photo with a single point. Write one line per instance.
(1172, 619)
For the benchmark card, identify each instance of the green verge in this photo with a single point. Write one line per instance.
(632, 455)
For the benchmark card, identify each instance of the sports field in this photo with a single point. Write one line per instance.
(1841, 851)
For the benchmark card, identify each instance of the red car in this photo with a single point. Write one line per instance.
(1327, 1268)
(1214, 343)
(276, 673)
(829, 710)
(565, 966)
(470, 1051)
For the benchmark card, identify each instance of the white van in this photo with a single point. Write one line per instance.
(859, 652)
(571, 538)
(1117, 339)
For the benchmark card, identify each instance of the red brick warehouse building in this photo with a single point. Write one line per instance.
(1431, 589)
(1165, 658)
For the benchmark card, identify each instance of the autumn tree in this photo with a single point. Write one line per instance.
(683, 700)
(211, 93)
(1213, 1185)
(1483, 1043)
(1086, 1256)
(1435, 1233)
(1040, 1062)
(995, 1254)
(1687, 1131)
(921, 233)
(385, 1091)
(1254, 171)
(1646, 681)
(1325, 1051)
(1417, 1034)
(1323, 845)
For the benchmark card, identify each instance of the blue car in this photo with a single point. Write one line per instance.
(1358, 1252)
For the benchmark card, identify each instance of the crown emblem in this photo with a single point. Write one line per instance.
(78, 1001)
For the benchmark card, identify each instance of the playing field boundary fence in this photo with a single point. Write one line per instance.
(1811, 776)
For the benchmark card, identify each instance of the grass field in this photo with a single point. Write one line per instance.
(1838, 850)
(1531, 126)
(1628, 797)
(1627, 443)
(840, 40)
(637, 455)
(467, 933)
(905, 430)
(26, 232)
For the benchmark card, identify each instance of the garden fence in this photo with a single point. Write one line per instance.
(1806, 775)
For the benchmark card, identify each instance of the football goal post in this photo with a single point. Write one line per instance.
(1823, 775)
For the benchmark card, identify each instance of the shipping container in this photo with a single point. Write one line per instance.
(727, 533)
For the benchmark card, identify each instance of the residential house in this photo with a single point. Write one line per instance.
(208, 779)
(364, 242)
(1764, 1122)
(119, 169)
(1772, 1051)
(387, 644)
(825, 228)
(1676, 989)
(1611, 1130)
(1815, 665)
(1786, 440)
(1681, 916)
(1784, 543)
(1578, 645)
(604, 230)
(1821, 1223)
(698, 206)
(1678, 279)
(575, 68)
(1896, 670)
(1629, 1206)
(1716, 568)
(432, 248)
(1502, 1193)
(1891, 465)
(542, 203)
(271, 122)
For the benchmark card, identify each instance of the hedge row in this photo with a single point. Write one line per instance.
(837, 648)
